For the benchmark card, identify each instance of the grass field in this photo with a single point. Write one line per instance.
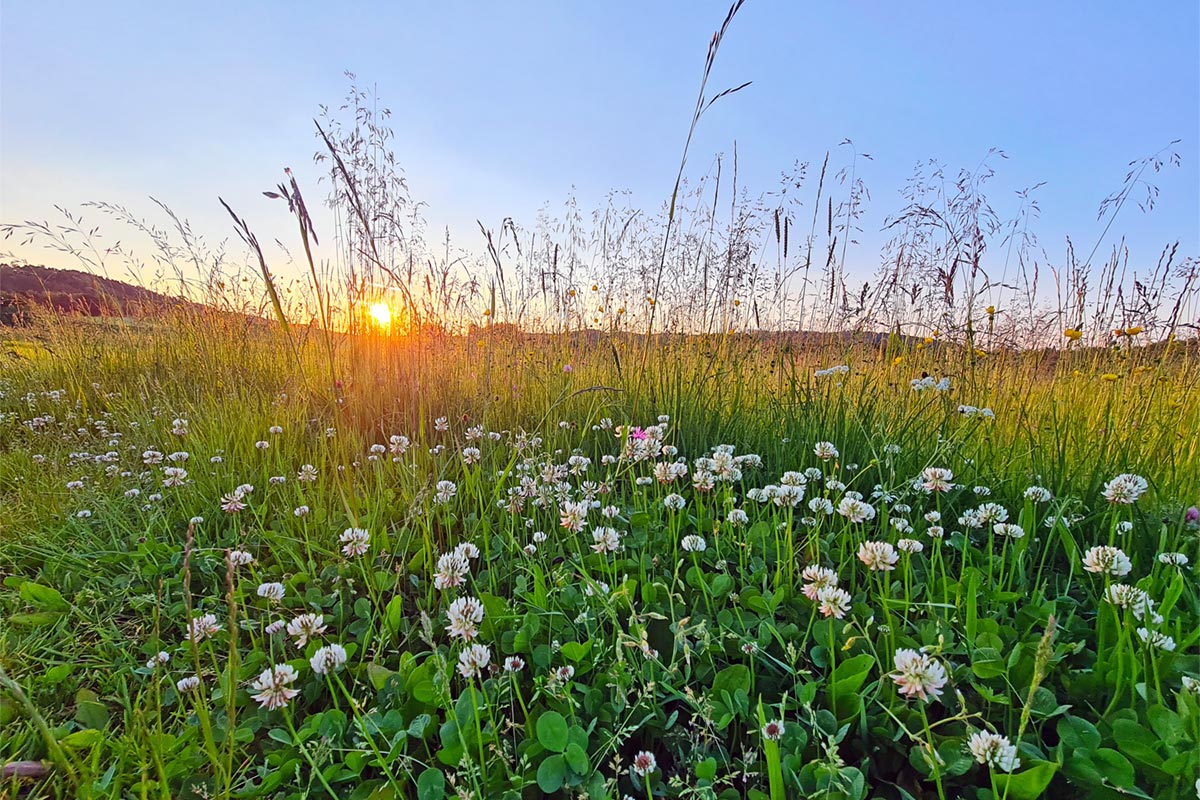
(241, 565)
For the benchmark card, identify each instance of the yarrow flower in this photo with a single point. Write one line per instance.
(328, 659)
(918, 675)
(355, 541)
(878, 556)
(994, 750)
(1107, 560)
(274, 686)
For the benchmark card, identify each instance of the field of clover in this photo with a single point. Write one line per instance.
(585, 609)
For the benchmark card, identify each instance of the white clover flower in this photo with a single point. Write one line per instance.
(271, 591)
(202, 627)
(158, 659)
(1173, 559)
(644, 763)
(274, 686)
(514, 664)
(1008, 529)
(305, 627)
(693, 544)
(452, 569)
(855, 509)
(240, 558)
(737, 517)
(262, 445)
(1125, 489)
(275, 627)
(832, 601)
(355, 541)
(918, 675)
(674, 502)
(328, 659)
(937, 479)
(878, 556)
(606, 540)
(473, 660)
(909, 546)
(1156, 639)
(446, 490)
(825, 451)
(472, 455)
(773, 730)
(994, 750)
(189, 684)
(1107, 560)
(441, 424)
(307, 474)
(464, 616)
(1038, 494)
(300, 511)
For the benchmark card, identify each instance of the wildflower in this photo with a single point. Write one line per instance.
(937, 479)
(240, 558)
(471, 455)
(189, 684)
(274, 429)
(1156, 639)
(158, 659)
(83, 513)
(307, 474)
(441, 424)
(262, 445)
(473, 660)
(693, 544)
(773, 731)
(737, 517)
(918, 675)
(855, 510)
(909, 546)
(1125, 489)
(1191, 516)
(300, 511)
(607, 540)
(674, 502)
(232, 503)
(275, 627)
(1008, 529)
(201, 627)
(1173, 559)
(1107, 560)
(179, 427)
(514, 664)
(833, 602)
(1074, 334)
(816, 578)
(878, 556)
(452, 569)
(355, 541)
(274, 686)
(446, 490)
(464, 615)
(994, 750)
(328, 659)
(644, 763)
(825, 451)
(1038, 494)
(305, 627)
(272, 591)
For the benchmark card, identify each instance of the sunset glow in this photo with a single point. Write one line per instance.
(381, 313)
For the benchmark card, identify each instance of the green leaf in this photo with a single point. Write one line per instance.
(1029, 784)
(393, 616)
(1114, 767)
(575, 651)
(732, 678)
(1078, 734)
(81, 739)
(849, 676)
(35, 620)
(987, 662)
(706, 770)
(431, 785)
(552, 732)
(577, 759)
(44, 597)
(551, 773)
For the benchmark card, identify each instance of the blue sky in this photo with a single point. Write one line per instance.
(502, 108)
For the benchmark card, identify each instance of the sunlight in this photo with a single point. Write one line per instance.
(382, 314)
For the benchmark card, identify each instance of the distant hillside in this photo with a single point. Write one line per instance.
(68, 290)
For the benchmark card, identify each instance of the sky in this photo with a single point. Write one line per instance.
(501, 109)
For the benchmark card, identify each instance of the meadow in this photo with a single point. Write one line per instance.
(503, 565)
(635, 504)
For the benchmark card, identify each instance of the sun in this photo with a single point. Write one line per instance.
(381, 313)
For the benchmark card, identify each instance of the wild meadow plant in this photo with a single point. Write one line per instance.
(258, 596)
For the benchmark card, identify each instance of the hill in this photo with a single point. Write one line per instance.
(68, 290)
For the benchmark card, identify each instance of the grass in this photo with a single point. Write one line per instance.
(683, 655)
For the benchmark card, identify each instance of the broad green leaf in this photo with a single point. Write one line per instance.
(552, 731)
